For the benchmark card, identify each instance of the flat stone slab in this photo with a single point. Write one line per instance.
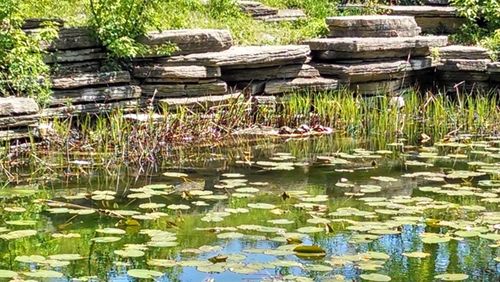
(457, 76)
(74, 38)
(436, 2)
(269, 73)
(422, 11)
(18, 121)
(372, 47)
(463, 52)
(100, 94)
(366, 71)
(75, 56)
(202, 102)
(15, 106)
(91, 108)
(385, 87)
(246, 57)
(90, 79)
(286, 15)
(300, 84)
(35, 23)
(440, 25)
(372, 26)
(463, 65)
(176, 73)
(8, 135)
(256, 9)
(218, 87)
(63, 69)
(191, 41)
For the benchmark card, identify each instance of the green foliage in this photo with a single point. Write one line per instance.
(483, 25)
(119, 23)
(22, 68)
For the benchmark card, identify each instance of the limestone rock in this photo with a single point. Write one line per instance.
(74, 38)
(62, 69)
(191, 40)
(176, 73)
(422, 11)
(62, 97)
(366, 71)
(18, 121)
(494, 70)
(268, 73)
(90, 79)
(72, 56)
(285, 15)
(458, 76)
(202, 102)
(421, 63)
(385, 87)
(372, 26)
(463, 52)
(15, 106)
(436, 2)
(300, 84)
(440, 25)
(245, 57)
(371, 48)
(256, 9)
(463, 65)
(91, 108)
(179, 90)
(36, 23)
(8, 135)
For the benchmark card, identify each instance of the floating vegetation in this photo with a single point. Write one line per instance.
(275, 215)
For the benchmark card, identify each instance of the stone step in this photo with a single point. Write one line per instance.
(240, 57)
(269, 73)
(16, 106)
(374, 48)
(199, 103)
(218, 87)
(431, 19)
(163, 73)
(99, 94)
(90, 79)
(494, 71)
(463, 52)
(36, 23)
(190, 41)
(372, 26)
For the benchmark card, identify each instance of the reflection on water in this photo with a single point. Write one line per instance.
(369, 207)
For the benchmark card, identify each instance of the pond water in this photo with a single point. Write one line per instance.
(292, 211)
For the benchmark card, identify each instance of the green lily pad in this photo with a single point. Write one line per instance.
(375, 277)
(144, 273)
(452, 277)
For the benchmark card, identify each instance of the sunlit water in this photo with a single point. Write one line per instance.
(370, 215)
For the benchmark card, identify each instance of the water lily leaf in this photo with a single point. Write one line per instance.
(375, 277)
(309, 251)
(129, 253)
(7, 273)
(111, 231)
(416, 255)
(30, 259)
(18, 234)
(109, 239)
(44, 274)
(319, 267)
(67, 257)
(144, 273)
(162, 262)
(467, 234)
(452, 276)
(262, 206)
(175, 174)
(230, 235)
(21, 222)
(178, 207)
(310, 229)
(281, 221)
(147, 206)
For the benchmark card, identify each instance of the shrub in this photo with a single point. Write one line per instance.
(22, 68)
(119, 23)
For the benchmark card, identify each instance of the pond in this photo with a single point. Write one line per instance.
(304, 210)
